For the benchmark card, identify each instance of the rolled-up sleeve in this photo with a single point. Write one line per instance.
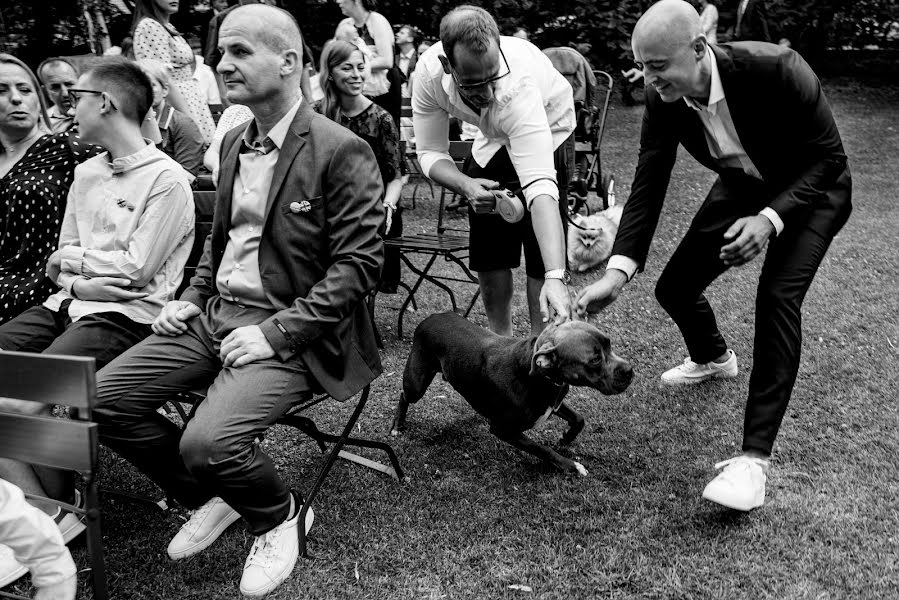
(531, 147)
(430, 123)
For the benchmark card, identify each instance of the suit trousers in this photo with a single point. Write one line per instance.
(790, 264)
(216, 453)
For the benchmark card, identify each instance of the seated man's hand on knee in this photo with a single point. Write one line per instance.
(172, 320)
(245, 345)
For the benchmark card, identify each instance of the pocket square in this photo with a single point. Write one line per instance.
(298, 207)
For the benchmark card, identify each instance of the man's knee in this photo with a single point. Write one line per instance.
(205, 451)
(668, 293)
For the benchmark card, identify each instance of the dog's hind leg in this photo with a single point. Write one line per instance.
(523, 442)
(575, 423)
(417, 376)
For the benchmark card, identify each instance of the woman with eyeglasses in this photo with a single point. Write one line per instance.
(36, 170)
(343, 69)
(156, 39)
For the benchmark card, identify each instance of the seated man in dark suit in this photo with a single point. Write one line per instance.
(756, 114)
(274, 312)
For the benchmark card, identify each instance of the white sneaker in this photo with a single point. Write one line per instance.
(273, 557)
(71, 524)
(205, 525)
(10, 568)
(741, 485)
(690, 372)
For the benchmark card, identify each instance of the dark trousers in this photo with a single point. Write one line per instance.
(216, 453)
(102, 335)
(495, 244)
(789, 268)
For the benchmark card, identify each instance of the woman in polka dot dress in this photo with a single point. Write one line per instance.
(156, 39)
(36, 170)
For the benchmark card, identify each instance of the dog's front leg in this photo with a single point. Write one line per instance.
(575, 423)
(523, 442)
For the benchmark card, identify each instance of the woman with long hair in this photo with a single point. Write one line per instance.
(155, 38)
(377, 34)
(36, 170)
(343, 71)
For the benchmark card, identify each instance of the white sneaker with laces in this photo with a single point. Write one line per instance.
(273, 557)
(10, 568)
(741, 485)
(690, 372)
(205, 525)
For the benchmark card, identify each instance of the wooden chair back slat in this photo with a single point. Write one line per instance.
(48, 441)
(48, 378)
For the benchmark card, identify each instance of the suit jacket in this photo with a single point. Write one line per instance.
(754, 23)
(785, 126)
(413, 60)
(317, 265)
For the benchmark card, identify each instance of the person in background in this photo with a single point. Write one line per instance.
(204, 75)
(36, 170)
(179, 135)
(343, 66)
(155, 38)
(783, 187)
(521, 33)
(30, 538)
(125, 238)
(407, 39)
(58, 75)
(708, 20)
(377, 34)
(752, 22)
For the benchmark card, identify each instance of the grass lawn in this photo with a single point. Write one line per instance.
(478, 517)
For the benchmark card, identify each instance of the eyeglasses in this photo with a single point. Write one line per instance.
(467, 87)
(75, 96)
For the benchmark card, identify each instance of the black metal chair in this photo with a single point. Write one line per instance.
(69, 444)
(449, 244)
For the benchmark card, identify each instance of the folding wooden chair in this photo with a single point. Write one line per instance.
(69, 444)
(449, 244)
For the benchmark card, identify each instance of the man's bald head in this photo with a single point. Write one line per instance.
(274, 27)
(673, 22)
(671, 49)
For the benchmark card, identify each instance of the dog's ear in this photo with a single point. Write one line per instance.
(544, 359)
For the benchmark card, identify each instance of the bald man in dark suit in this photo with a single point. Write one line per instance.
(755, 114)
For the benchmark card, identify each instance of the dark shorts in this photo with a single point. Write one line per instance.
(496, 244)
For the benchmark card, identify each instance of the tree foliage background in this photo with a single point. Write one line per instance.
(35, 29)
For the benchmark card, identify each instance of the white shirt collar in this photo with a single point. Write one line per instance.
(276, 134)
(716, 90)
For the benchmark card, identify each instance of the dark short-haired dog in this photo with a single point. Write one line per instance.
(515, 383)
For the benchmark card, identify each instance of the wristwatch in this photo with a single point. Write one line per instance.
(561, 274)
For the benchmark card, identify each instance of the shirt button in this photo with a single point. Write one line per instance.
(246, 191)
(251, 229)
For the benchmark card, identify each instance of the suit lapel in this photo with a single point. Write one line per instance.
(226, 178)
(742, 102)
(293, 142)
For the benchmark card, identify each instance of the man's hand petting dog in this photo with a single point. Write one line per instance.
(600, 294)
(555, 294)
(515, 383)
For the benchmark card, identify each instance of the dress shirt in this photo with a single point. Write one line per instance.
(239, 279)
(205, 78)
(404, 59)
(130, 217)
(532, 114)
(59, 122)
(724, 146)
